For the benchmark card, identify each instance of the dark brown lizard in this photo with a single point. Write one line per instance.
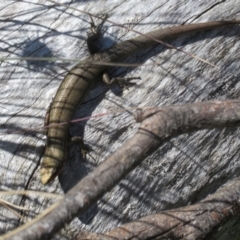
(79, 80)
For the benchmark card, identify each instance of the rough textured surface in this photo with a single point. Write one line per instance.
(183, 171)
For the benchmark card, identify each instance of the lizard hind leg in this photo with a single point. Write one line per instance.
(121, 81)
(94, 34)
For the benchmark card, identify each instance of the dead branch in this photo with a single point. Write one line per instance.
(158, 125)
(192, 222)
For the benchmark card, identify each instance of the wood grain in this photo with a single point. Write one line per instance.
(183, 171)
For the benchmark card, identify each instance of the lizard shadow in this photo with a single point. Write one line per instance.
(77, 167)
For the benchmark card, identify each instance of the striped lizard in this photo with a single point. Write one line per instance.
(80, 79)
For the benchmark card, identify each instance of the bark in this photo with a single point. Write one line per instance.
(203, 220)
(159, 125)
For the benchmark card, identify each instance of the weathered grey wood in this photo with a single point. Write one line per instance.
(183, 171)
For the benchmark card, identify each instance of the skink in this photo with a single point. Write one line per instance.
(79, 80)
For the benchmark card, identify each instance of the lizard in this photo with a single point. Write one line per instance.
(83, 75)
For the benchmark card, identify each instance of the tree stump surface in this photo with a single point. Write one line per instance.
(183, 171)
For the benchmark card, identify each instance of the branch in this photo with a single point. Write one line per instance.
(192, 222)
(158, 125)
